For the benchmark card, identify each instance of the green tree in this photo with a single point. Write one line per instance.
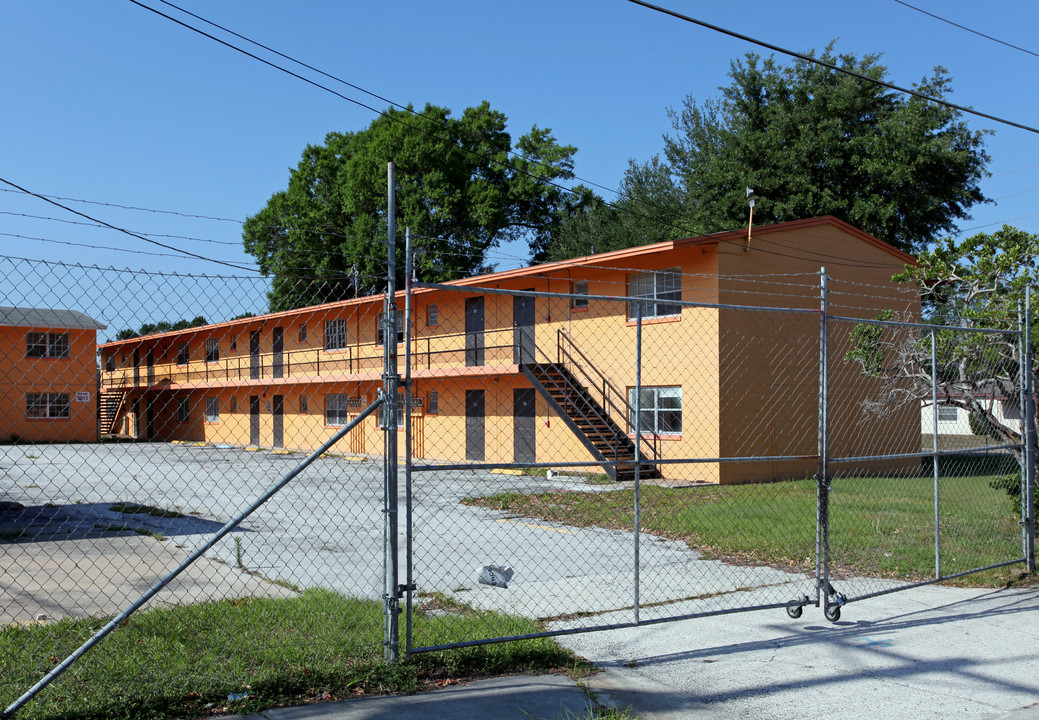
(810, 141)
(160, 327)
(978, 283)
(459, 189)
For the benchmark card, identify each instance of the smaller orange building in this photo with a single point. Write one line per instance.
(49, 375)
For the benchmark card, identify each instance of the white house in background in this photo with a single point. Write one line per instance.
(953, 420)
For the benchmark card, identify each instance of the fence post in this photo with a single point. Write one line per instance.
(636, 521)
(409, 582)
(822, 519)
(1028, 490)
(934, 453)
(390, 381)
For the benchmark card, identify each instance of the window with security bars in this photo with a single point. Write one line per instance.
(380, 329)
(947, 414)
(660, 410)
(335, 334)
(335, 410)
(432, 315)
(52, 406)
(47, 345)
(660, 285)
(183, 353)
(183, 410)
(212, 350)
(212, 409)
(433, 402)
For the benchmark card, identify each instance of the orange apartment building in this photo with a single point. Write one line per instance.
(528, 379)
(49, 375)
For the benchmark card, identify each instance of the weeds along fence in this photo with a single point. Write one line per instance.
(218, 491)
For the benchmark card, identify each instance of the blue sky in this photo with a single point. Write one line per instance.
(108, 102)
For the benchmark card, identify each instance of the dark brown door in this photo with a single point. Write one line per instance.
(150, 362)
(254, 354)
(278, 412)
(254, 420)
(474, 331)
(522, 330)
(524, 425)
(474, 425)
(278, 349)
(136, 366)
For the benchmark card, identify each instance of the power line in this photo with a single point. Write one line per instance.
(830, 66)
(185, 253)
(970, 30)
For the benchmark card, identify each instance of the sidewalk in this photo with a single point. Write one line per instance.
(929, 652)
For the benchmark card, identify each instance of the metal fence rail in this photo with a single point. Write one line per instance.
(568, 463)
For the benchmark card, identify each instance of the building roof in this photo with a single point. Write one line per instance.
(47, 318)
(737, 236)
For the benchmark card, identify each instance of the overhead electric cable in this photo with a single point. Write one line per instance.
(185, 253)
(831, 66)
(970, 30)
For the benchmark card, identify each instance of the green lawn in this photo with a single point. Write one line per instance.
(185, 661)
(880, 526)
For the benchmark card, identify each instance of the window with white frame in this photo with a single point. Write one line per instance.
(660, 410)
(380, 330)
(212, 409)
(432, 315)
(335, 334)
(662, 286)
(212, 350)
(52, 406)
(579, 287)
(335, 409)
(47, 345)
(183, 410)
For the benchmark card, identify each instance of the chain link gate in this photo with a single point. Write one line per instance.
(572, 462)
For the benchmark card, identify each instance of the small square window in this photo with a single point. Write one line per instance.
(432, 315)
(580, 287)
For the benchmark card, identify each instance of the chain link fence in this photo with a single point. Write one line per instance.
(565, 462)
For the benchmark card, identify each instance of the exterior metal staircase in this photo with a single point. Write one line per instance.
(111, 407)
(589, 410)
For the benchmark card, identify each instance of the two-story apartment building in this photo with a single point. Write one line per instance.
(49, 375)
(526, 379)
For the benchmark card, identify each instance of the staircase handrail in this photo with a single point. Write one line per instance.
(564, 357)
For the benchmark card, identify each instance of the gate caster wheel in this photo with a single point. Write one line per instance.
(833, 613)
(794, 611)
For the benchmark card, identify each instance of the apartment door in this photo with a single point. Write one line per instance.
(254, 420)
(149, 360)
(522, 329)
(149, 412)
(136, 366)
(138, 420)
(474, 425)
(474, 331)
(278, 350)
(278, 412)
(524, 425)
(254, 355)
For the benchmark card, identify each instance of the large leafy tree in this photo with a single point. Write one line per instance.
(462, 187)
(810, 141)
(978, 283)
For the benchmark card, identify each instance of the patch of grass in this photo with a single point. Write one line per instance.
(135, 509)
(879, 526)
(185, 661)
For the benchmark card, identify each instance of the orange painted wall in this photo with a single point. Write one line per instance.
(76, 374)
